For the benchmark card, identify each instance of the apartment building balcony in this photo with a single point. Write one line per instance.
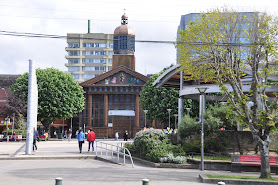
(73, 65)
(74, 49)
(73, 56)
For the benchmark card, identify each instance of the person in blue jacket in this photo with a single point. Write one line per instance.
(80, 137)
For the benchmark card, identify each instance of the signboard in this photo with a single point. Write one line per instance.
(110, 124)
(121, 113)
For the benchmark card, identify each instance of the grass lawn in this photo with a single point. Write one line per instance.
(239, 177)
(220, 158)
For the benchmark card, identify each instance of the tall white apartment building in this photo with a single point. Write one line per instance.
(89, 55)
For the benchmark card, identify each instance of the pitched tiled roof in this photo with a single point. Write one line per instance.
(112, 72)
(7, 80)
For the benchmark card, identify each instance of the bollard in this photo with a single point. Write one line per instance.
(145, 181)
(58, 181)
(221, 183)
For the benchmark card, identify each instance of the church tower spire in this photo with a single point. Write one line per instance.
(124, 45)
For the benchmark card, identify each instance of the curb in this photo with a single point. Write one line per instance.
(48, 157)
(166, 165)
(205, 179)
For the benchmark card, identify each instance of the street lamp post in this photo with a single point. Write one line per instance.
(202, 91)
(13, 123)
(63, 129)
(71, 123)
(169, 111)
(7, 127)
(175, 120)
(145, 111)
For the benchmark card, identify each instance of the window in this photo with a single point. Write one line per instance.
(93, 60)
(91, 68)
(109, 68)
(73, 69)
(111, 53)
(102, 45)
(73, 53)
(73, 61)
(88, 45)
(91, 45)
(100, 68)
(110, 61)
(75, 76)
(94, 52)
(88, 68)
(88, 76)
(88, 52)
(111, 45)
(73, 45)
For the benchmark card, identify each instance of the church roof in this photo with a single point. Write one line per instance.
(122, 68)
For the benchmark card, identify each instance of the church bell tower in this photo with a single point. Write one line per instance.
(124, 45)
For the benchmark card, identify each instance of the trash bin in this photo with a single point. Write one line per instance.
(59, 135)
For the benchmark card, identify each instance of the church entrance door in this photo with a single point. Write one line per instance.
(121, 124)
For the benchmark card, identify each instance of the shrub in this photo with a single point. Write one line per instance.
(146, 140)
(214, 143)
(170, 158)
(155, 154)
(188, 127)
(154, 144)
(130, 147)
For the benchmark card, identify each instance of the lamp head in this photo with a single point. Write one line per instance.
(202, 90)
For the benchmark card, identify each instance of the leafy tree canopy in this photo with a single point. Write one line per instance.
(225, 46)
(158, 100)
(59, 95)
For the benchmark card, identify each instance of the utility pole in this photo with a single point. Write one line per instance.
(13, 123)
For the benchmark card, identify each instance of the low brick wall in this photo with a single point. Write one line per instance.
(101, 132)
(212, 165)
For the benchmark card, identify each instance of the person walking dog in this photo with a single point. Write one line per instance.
(91, 139)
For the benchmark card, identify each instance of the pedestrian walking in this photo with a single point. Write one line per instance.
(69, 134)
(80, 137)
(125, 135)
(91, 139)
(14, 136)
(36, 135)
(116, 136)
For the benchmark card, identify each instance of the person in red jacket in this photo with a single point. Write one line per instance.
(91, 138)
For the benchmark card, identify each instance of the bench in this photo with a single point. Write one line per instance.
(252, 163)
(2, 138)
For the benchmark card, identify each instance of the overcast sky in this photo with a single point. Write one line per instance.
(155, 20)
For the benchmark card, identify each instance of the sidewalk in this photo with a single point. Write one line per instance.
(58, 149)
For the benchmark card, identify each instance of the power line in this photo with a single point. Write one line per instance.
(39, 35)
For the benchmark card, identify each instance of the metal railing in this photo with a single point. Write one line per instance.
(111, 149)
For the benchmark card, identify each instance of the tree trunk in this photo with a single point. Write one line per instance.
(265, 167)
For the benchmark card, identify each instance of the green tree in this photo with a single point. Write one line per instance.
(59, 95)
(20, 122)
(224, 46)
(218, 116)
(189, 133)
(158, 100)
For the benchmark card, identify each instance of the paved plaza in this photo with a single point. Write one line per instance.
(62, 159)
